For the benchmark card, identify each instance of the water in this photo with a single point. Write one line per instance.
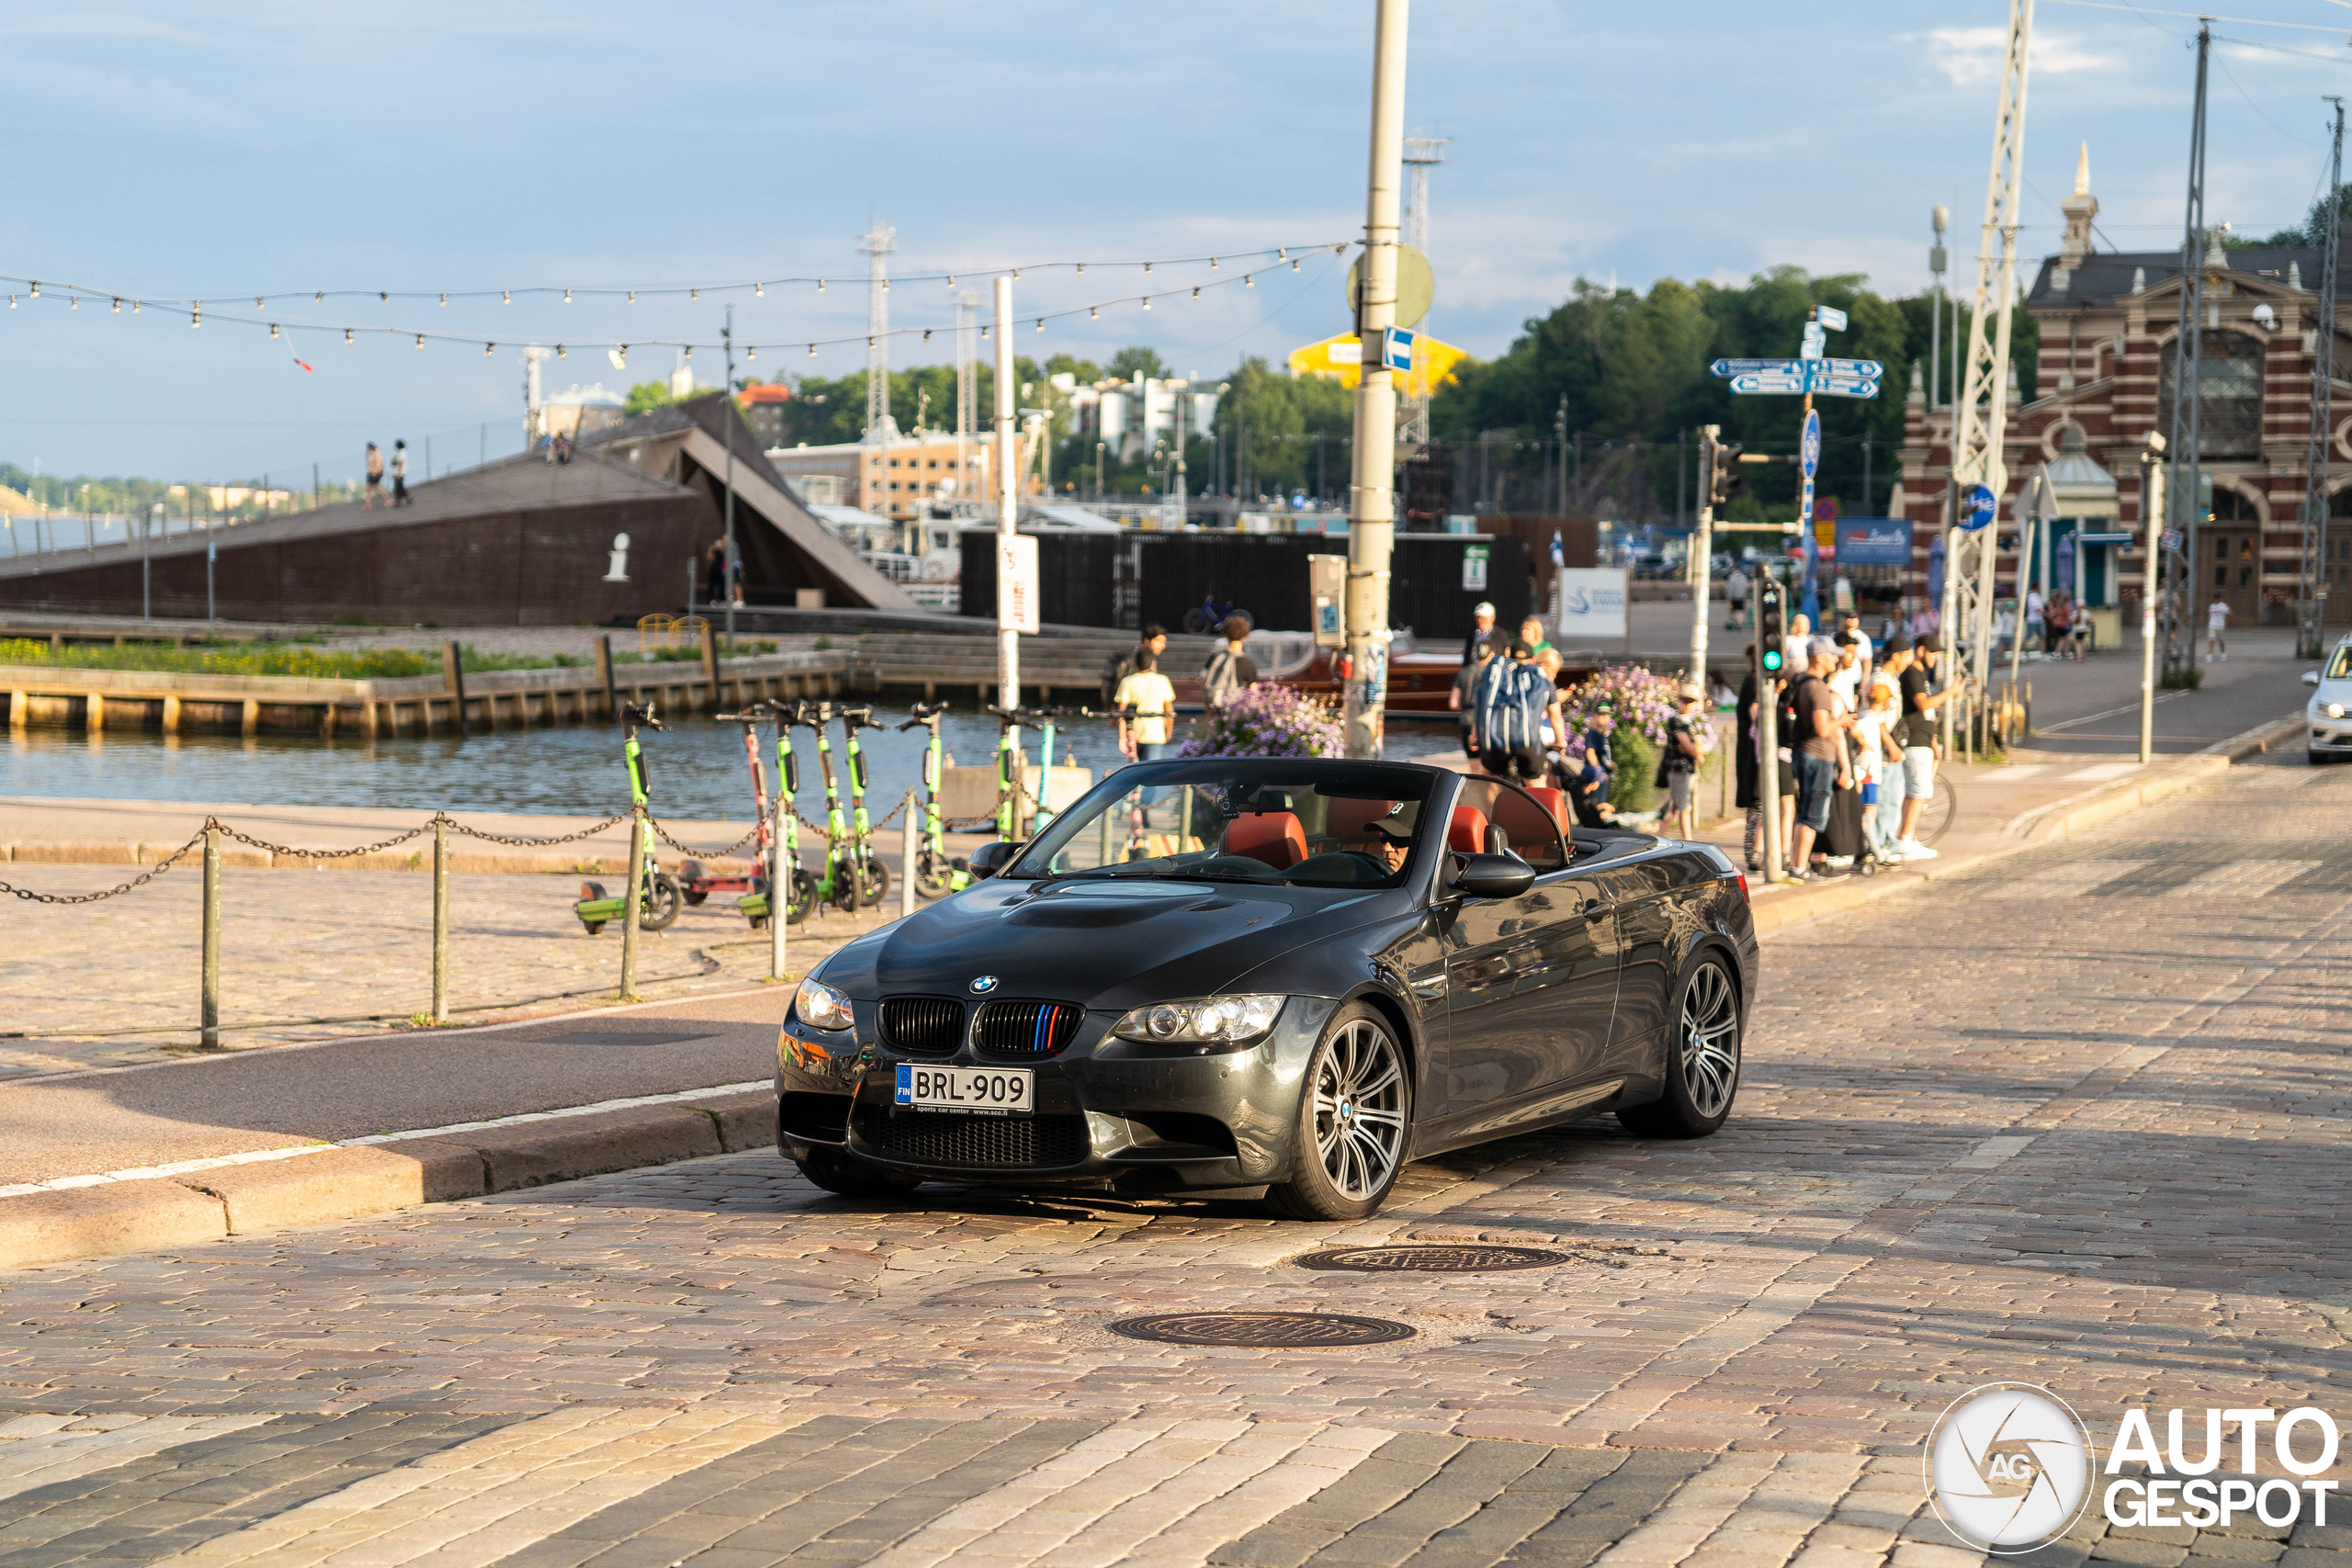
(696, 768)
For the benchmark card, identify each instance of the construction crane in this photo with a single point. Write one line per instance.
(1980, 420)
(877, 244)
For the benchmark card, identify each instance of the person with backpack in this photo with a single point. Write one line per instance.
(1230, 671)
(1154, 641)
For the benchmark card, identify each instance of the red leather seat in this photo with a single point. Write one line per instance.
(1467, 834)
(1556, 801)
(1276, 838)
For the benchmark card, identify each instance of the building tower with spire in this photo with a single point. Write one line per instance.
(877, 243)
(2079, 208)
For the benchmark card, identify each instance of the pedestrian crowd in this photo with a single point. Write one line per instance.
(1144, 698)
(375, 471)
(1857, 745)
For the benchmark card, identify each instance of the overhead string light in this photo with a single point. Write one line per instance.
(759, 290)
(257, 304)
(1041, 323)
(1196, 293)
(74, 302)
(1095, 313)
(346, 334)
(36, 288)
(420, 340)
(444, 302)
(751, 353)
(273, 332)
(812, 351)
(383, 298)
(488, 349)
(1248, 281)
(1212, 263)
(1146, 301)
(691, 294)
(559, 351)
(506, 297)
(632, 295)
(820, 286)
(117, 307)
(567, 296)
(195, 318)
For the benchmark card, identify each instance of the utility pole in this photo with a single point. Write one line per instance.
(1939, 261)
(1008, 499)
(2188, 386)
(1703, 550)
(1980, 421)
(2310, 609)
(967, 378)
(877, 243)
(731, 574)
(2152, 509)
(1371, 508)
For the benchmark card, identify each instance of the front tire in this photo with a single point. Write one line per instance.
(852, 1178)
(1356, 1117)
(1703, 1060)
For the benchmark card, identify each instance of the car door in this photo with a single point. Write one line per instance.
(1640, 896)
(1532, 986)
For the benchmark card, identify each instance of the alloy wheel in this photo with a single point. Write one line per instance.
(1710, 1041)
(1360, 1109)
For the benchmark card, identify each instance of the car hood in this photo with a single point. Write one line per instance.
(1102, 944)
(2328, 691)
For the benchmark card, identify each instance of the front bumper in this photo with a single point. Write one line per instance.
(1109, 1111)
(2330, 735)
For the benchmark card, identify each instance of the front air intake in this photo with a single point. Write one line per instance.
(931, 1026)
(1027, 1029)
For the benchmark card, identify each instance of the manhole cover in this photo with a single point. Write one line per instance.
(1279, 1329)
(1434, 1259)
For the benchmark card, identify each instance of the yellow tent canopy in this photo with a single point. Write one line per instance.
(1342, 358)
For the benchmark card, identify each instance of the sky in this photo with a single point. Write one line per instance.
(170, 152)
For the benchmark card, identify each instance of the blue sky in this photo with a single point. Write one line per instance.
(215, 148)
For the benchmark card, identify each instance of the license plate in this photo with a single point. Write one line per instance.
(979, 1091)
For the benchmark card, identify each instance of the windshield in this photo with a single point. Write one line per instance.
(1239, 819)
(2340, 667)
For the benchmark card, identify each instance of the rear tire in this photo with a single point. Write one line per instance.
(1703, 1060)
(1354, 1122)
(663, 901)
(932, 874)
(803, 899)
(873, 882)
(852, 1178)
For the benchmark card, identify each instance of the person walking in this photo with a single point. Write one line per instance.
(1877, 767)
(1229, 671)
(375, 476)
(2037, 625)
(1796, 649)
(1146, 704)
(2056, 619)
(399, 473)
(1152, 639)
(2217, 622)
(1913, 667)
(1464, 698)
(1820, 755)
(713, 573)
(1512, 699)
(1482, 620)
(1530, 632)
(1735, 600)
(1679, 766)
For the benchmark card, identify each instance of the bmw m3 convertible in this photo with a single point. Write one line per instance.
(1228, 973)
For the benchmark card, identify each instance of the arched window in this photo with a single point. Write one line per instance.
(2231, 506)
(2230, 403)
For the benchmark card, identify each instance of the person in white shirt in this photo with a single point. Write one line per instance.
(1797, 647)
(1851, 623)
(2036, 629)
(1846, 679)
(2217, 621)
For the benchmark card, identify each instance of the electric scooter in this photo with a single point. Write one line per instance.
(661, 898)
(1011, 764)
(834, 884)
(699, 884)
(933, 872)
(872, 876)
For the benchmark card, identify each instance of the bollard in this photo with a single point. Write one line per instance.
(907, 858)
(208, 1017)
(779, 887)
(629, 910)
(440, 922)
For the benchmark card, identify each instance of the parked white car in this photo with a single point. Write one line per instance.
(2330, 709)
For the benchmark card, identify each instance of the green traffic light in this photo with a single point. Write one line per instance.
(1772, 660)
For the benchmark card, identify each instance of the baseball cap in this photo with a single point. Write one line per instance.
(1519, 648)
(1929, 642)
(1899, 643)
(1821, 648)
(1482, 608)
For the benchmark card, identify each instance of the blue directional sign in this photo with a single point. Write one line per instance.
(1976, 508)
(1739, 366)
(1809, 450)
(1846, 386)
(1784, 381)
(1833, 378)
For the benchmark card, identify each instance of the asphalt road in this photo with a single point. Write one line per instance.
(81, 1124)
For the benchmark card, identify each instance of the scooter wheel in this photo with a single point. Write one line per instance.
(589, 890)
(662, 902)
(873, 884)
(594, 926)
(803, 899)
(932, 876)
(845, 891)
(688, 874)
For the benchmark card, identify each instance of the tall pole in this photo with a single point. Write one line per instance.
(728, 575)
(1371, 507)
(2188, 386)
(2152, 508)
(2310, 609)
(1702, 551)
(1008, 496)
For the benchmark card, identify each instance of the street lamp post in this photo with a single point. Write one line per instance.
(1372, 510)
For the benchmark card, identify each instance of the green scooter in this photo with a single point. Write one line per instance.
(933, 872)
(872, 876)
(662, 898)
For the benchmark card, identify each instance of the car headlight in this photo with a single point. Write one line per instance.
(820, 1006)
(1209, 1020)
(2333, 710)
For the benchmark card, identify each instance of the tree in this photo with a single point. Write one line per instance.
(1131, 362)
(646, 396)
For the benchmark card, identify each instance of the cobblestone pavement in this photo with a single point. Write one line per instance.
(2078, 1119)
(107, 984)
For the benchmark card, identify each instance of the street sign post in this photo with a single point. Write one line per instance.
(1798, 378)
(1977, 508)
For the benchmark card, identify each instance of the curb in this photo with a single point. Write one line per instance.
(462, 862)
(111, 1218)
(2033, 830)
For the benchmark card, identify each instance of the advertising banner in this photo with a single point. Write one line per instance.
(1874, 541)
(1589, 603)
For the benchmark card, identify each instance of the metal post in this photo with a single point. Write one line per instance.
(440, 922)
(1703, 550)
(2189, 384)
(1372, 510)
(2152, 509)
(907, 856)
(211, 554)
(146, 597)
(2312, 584)
(629, 909)
(209, 1014)
(605, 676)
(728, 570)
(1768, 770)
(779, 881)
(453, 677)
(1008, 499)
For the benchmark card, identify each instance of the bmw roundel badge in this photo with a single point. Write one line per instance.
(983, 984)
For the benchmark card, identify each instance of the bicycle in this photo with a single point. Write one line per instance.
(935, 874)
(1212, 614)
(661, 897)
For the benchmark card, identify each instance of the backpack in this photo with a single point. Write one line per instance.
(1219, 680)
(1115, 669)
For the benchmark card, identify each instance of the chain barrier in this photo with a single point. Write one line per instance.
(160, 868)
(250, 842)
(662, 833)
(516, 842)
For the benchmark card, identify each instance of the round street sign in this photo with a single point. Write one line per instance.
(1416, 286)
(1810, 456)
(1976, 507)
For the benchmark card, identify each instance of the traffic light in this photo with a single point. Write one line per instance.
(1727, 481)
(1771, 629)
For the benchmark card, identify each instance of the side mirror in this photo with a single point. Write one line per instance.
(2310, 677)
(993, 857)
(1493, 876)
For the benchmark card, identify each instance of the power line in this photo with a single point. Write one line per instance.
(2196, 16)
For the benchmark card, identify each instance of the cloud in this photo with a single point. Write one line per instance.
(1971, 57)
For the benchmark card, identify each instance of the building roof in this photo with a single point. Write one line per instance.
(522, 483)
(764, 392)
(2106, 277)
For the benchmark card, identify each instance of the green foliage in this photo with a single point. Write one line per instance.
(1635, 788)
(1129, 362)
(2187, 680)
(646, 396)
(1278, 418)
(271, 658)
(2311, 231)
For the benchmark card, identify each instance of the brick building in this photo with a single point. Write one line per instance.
(2107, 378)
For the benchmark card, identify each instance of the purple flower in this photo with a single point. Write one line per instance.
(1268, 720)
